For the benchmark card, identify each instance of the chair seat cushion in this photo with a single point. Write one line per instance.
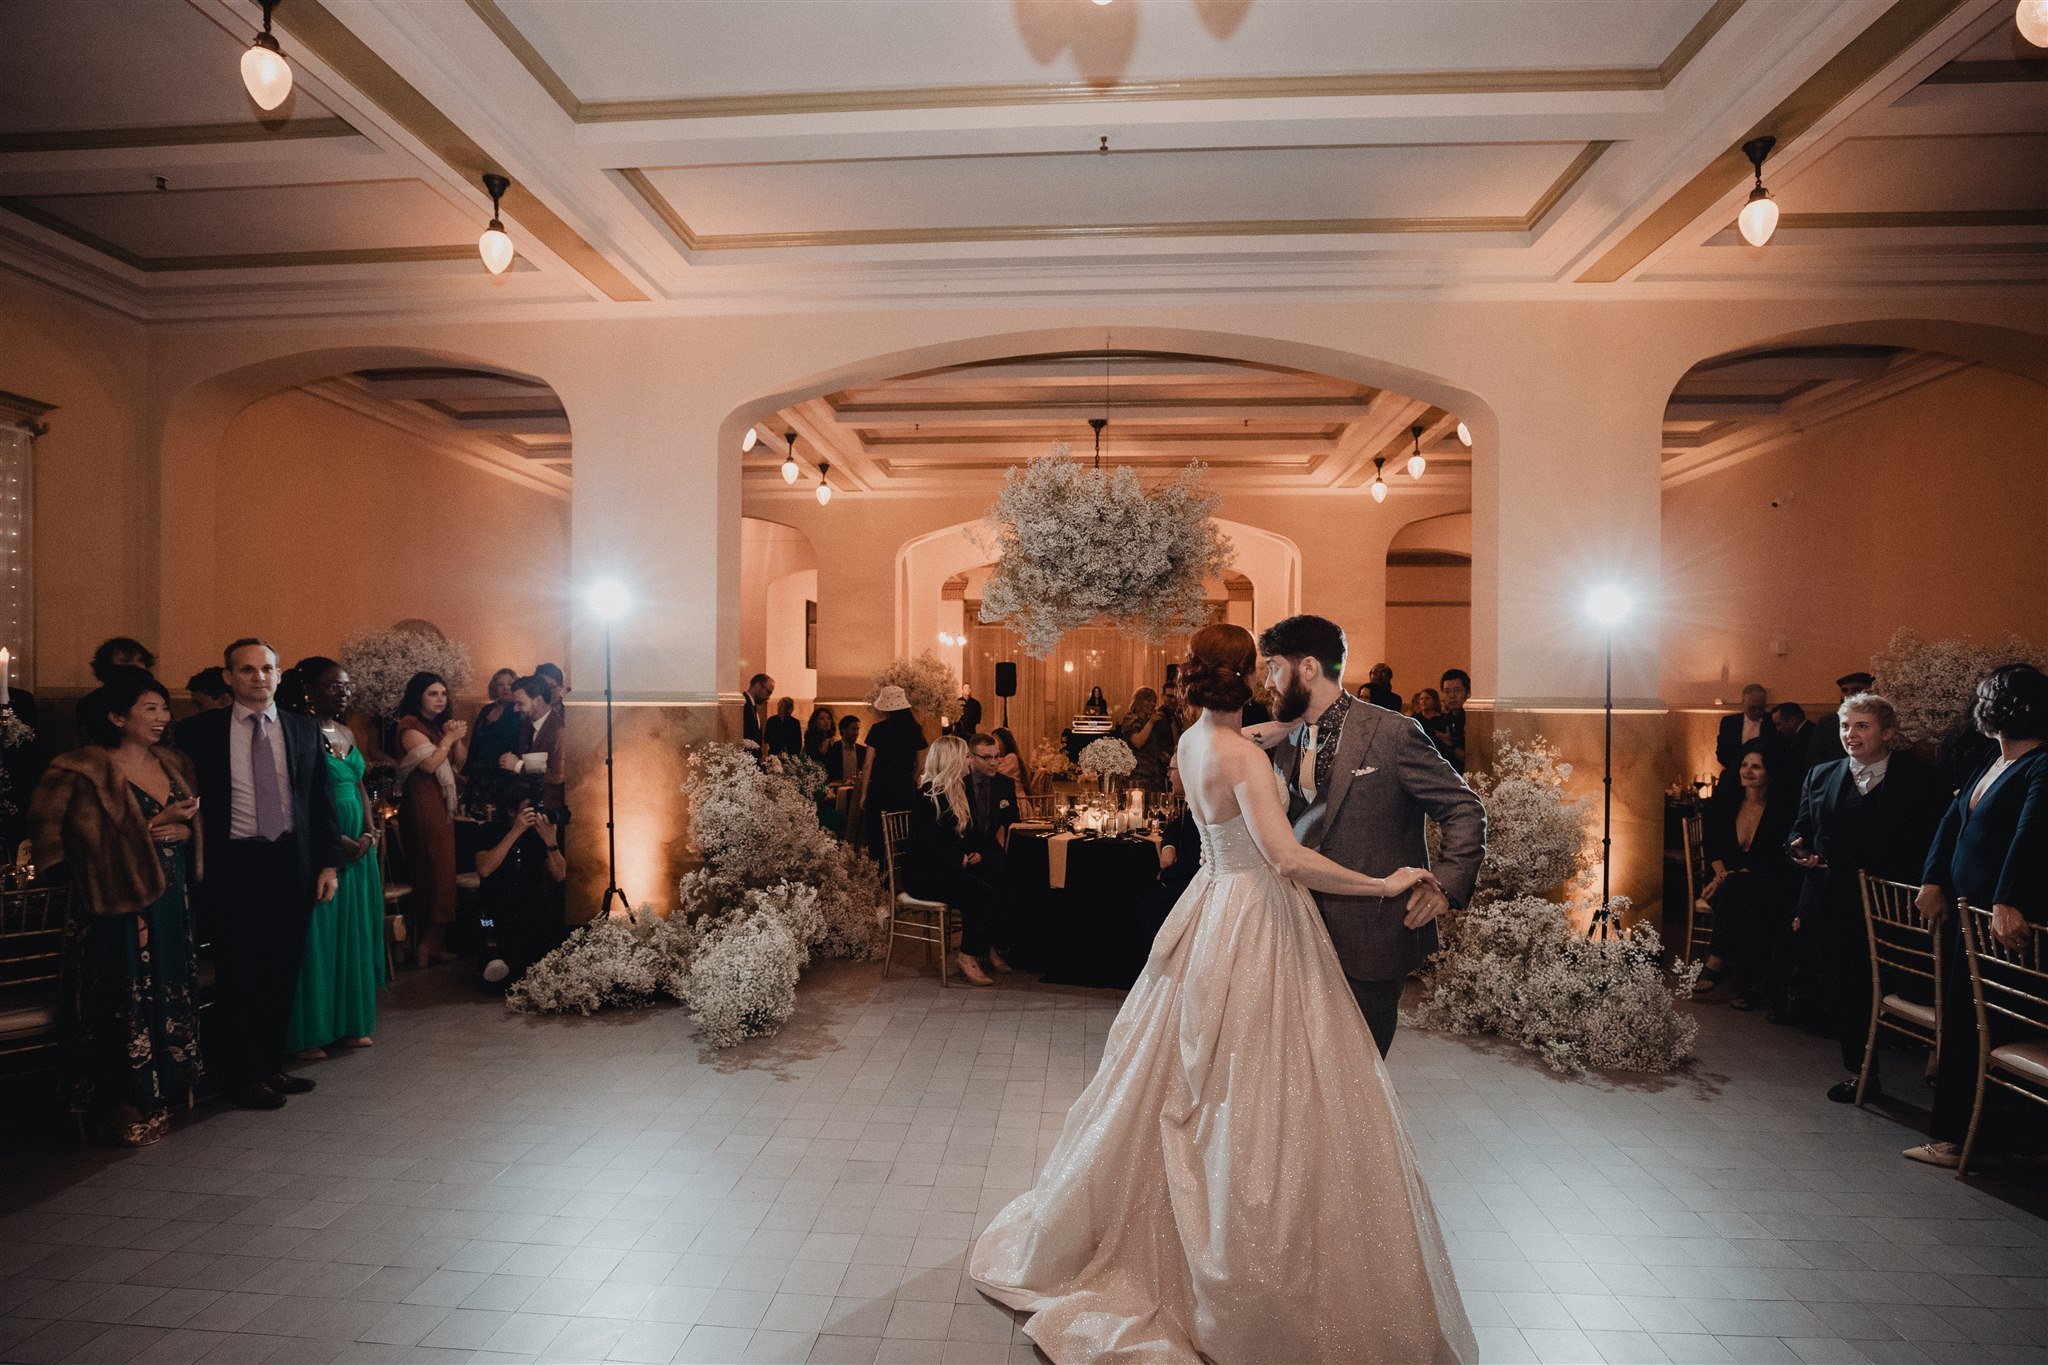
(2028, 1059)
(26, 1013)
(906, 901)
(396, 892)
(1920, 1014)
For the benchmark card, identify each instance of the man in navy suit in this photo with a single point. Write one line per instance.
(1875, 811)
(1753, 721)
(272, 850)
(992, 797)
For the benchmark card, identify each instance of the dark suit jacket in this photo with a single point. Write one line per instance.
(1997, 854)
(750, 719)
(315, 833)
(1887, 835)
(842, 764)
(1728, 740)
(995, 812)
(783, 735)
(1387, 777)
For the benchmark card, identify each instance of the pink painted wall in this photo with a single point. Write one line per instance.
(333, 523)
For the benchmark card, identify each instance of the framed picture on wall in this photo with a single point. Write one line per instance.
(810, 635)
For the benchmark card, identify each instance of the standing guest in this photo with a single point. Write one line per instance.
(558, 686)
(844, 758)
(520, 897)
(208, 689)
(115, 819)
(1991, 850)
(889, 775)
(1753, 881)
(1827, 739)
(541, 732)
(431, 746)
(969, 723)
(1149, 732)
(1447, 731)
(1379, 687)
(782, 734)
(1795, 737)
(1753, 721)
(497, 733)
(752, 719)
(1873, 810)
(1009, 762)
(268, 814)
(336, 1004)
(820, 733)
(1426, 706)
(120, 652)
(946, 862)
(1096, 705)
(992, 798)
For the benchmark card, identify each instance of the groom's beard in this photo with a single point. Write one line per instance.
(1292, 703)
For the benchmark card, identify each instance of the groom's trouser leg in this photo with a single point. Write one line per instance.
(1380, 1003)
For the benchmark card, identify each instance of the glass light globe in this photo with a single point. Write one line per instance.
(1759, 218)
(267, 74)
(1416, 464)
(1379, 490)
(1607, 604)
(1464, 436)
(824, 493)
(496, 248)
(749, 441)
(2032, 18)
(789, 470)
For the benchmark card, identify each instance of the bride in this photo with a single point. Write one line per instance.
(1235, 1185)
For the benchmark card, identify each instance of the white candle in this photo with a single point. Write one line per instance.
(6, 666)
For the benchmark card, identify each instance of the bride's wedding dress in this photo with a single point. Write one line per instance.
(1235, 1185)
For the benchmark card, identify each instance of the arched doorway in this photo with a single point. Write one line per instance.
(779, 607)
(1429, 601)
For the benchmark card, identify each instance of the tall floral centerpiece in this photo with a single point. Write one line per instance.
(927, 680)
(1107, 760)
(1075, 545)
(381, 662)
(1933, 683)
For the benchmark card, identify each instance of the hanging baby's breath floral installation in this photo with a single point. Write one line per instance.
(928, 681)
(1075, 545)
(381, 662)
(776, 890)
(1514, 964)
(1933, 683)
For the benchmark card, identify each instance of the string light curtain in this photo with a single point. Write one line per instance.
(20, 424)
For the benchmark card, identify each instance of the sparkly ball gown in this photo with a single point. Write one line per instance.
(1235, 1185)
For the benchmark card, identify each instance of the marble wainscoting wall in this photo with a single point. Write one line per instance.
(652, 741)
(1643, 767)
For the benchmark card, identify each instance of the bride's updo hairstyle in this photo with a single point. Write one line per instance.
(1217, 675)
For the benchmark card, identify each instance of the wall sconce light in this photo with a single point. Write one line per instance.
(1464, 436)
(749, 441)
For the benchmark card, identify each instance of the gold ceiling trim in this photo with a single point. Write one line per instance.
(2014, 71)
(309, 22)
(1931, 218)
(247, 260)
(184, 135)
(1871, 51)
(1497, 82)
(1060, 232)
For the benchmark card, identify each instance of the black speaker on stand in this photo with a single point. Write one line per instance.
(1006, 686)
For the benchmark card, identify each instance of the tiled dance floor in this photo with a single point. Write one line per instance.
(486, 1187)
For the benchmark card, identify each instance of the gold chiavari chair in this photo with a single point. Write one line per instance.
(1034, 808)
(1905, 961)
(932, 923)
(2009, 987)
(31, 952)
(1699, 912)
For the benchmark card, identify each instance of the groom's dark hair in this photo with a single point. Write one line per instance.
(1306, 637)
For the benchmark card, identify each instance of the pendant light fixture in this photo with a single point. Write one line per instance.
(495, 246)
(1098, 423)
(789, 469)
(824, 483)
(1416, 464)
(749, 441)
(1379, 481)
(2032, 17)
(1464, 436)
(1759, 217)
(264, 69)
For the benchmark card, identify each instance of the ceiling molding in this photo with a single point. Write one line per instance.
(1871, 51)
(247, 260)
(186, 135)
(25, 413)
(1915, 218)
(1063, 232)
(467, 448)
(1496, 82)
(310, 23)
(2014, 72)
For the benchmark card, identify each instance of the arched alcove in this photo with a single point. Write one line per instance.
(1429, 601)
(778, 607)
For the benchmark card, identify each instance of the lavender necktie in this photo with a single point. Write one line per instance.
(263, 779)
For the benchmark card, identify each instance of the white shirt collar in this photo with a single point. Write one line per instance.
(1867, 775)
(243, 712)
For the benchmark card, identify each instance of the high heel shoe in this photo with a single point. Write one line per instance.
(996, 963)
(971, 969)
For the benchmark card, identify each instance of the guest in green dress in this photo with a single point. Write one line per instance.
(116, 821)
(336, 1005)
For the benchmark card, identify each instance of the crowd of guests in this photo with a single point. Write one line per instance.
(245, 835)
(1803, 808)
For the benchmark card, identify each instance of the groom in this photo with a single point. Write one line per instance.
(1360, 779)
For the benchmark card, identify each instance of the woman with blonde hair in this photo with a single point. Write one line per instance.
(944, 864)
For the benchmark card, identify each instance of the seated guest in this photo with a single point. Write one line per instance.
(497, 733)
(992, 797)
(782, 734)
(336, 1004)
(1379, 687)
(843, 759)
(1874, 810)
(115, 819)
(208, 689)
(1149, 732)
(540, 733)
(1426, 706)
(821, 732)
(1753, 721)
(1991, 850)
(1753, 882)
(520, 898)
(431, 747)
(1447, 731)
(1009, 762)
(1827, 739)
(944, 862)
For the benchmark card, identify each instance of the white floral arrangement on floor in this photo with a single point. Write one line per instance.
(1514, 964)
(1108, 757)
(1933, 684)
(381, 662)
(1074, 545)
(776, 890)
(928, 681)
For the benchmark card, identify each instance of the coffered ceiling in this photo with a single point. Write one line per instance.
(703, 153)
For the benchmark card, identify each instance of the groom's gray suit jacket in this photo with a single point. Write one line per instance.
(1387, 776)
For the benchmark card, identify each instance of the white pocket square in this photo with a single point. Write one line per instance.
(1363, 772)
